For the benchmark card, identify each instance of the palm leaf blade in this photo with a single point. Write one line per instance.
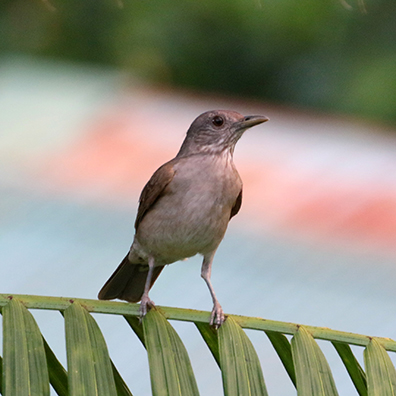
(283, 348)
(122, 388)
(210, 337)
(170, 368)
(381, 374)
(313, 375)
(241, 369)
(355, 371)
(57, 374)
(25, 366)
(136, 326)
(89, 365)
(1, 375)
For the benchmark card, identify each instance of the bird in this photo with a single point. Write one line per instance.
(184, 209)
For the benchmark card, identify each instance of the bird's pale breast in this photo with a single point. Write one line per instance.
(192, 215)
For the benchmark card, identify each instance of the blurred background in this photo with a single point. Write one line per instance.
(333, 55)
(95, 95)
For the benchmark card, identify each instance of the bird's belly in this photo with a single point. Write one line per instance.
(180, 227)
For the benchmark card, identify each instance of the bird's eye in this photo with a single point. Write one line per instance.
(218, 121)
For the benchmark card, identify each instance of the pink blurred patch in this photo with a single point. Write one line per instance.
(118, 154)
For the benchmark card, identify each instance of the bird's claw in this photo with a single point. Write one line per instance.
(145, 305)
(217, 316)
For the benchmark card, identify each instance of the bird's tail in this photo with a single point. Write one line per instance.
(128, 281)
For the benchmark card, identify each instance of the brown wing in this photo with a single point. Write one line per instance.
(237, 205)
(154, 189)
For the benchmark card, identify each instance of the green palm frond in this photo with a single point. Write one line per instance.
(29, 365)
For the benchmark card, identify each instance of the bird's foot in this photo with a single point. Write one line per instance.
(217, 316)
(145, 306)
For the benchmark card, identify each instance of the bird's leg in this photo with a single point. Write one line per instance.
(217, 316)
(146, 302)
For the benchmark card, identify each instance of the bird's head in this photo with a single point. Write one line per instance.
(217, 131)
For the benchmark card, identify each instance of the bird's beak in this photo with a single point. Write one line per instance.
(251, 121)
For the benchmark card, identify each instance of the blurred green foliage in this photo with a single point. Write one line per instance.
(309, 53)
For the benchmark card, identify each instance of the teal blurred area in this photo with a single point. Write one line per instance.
(334, 55)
